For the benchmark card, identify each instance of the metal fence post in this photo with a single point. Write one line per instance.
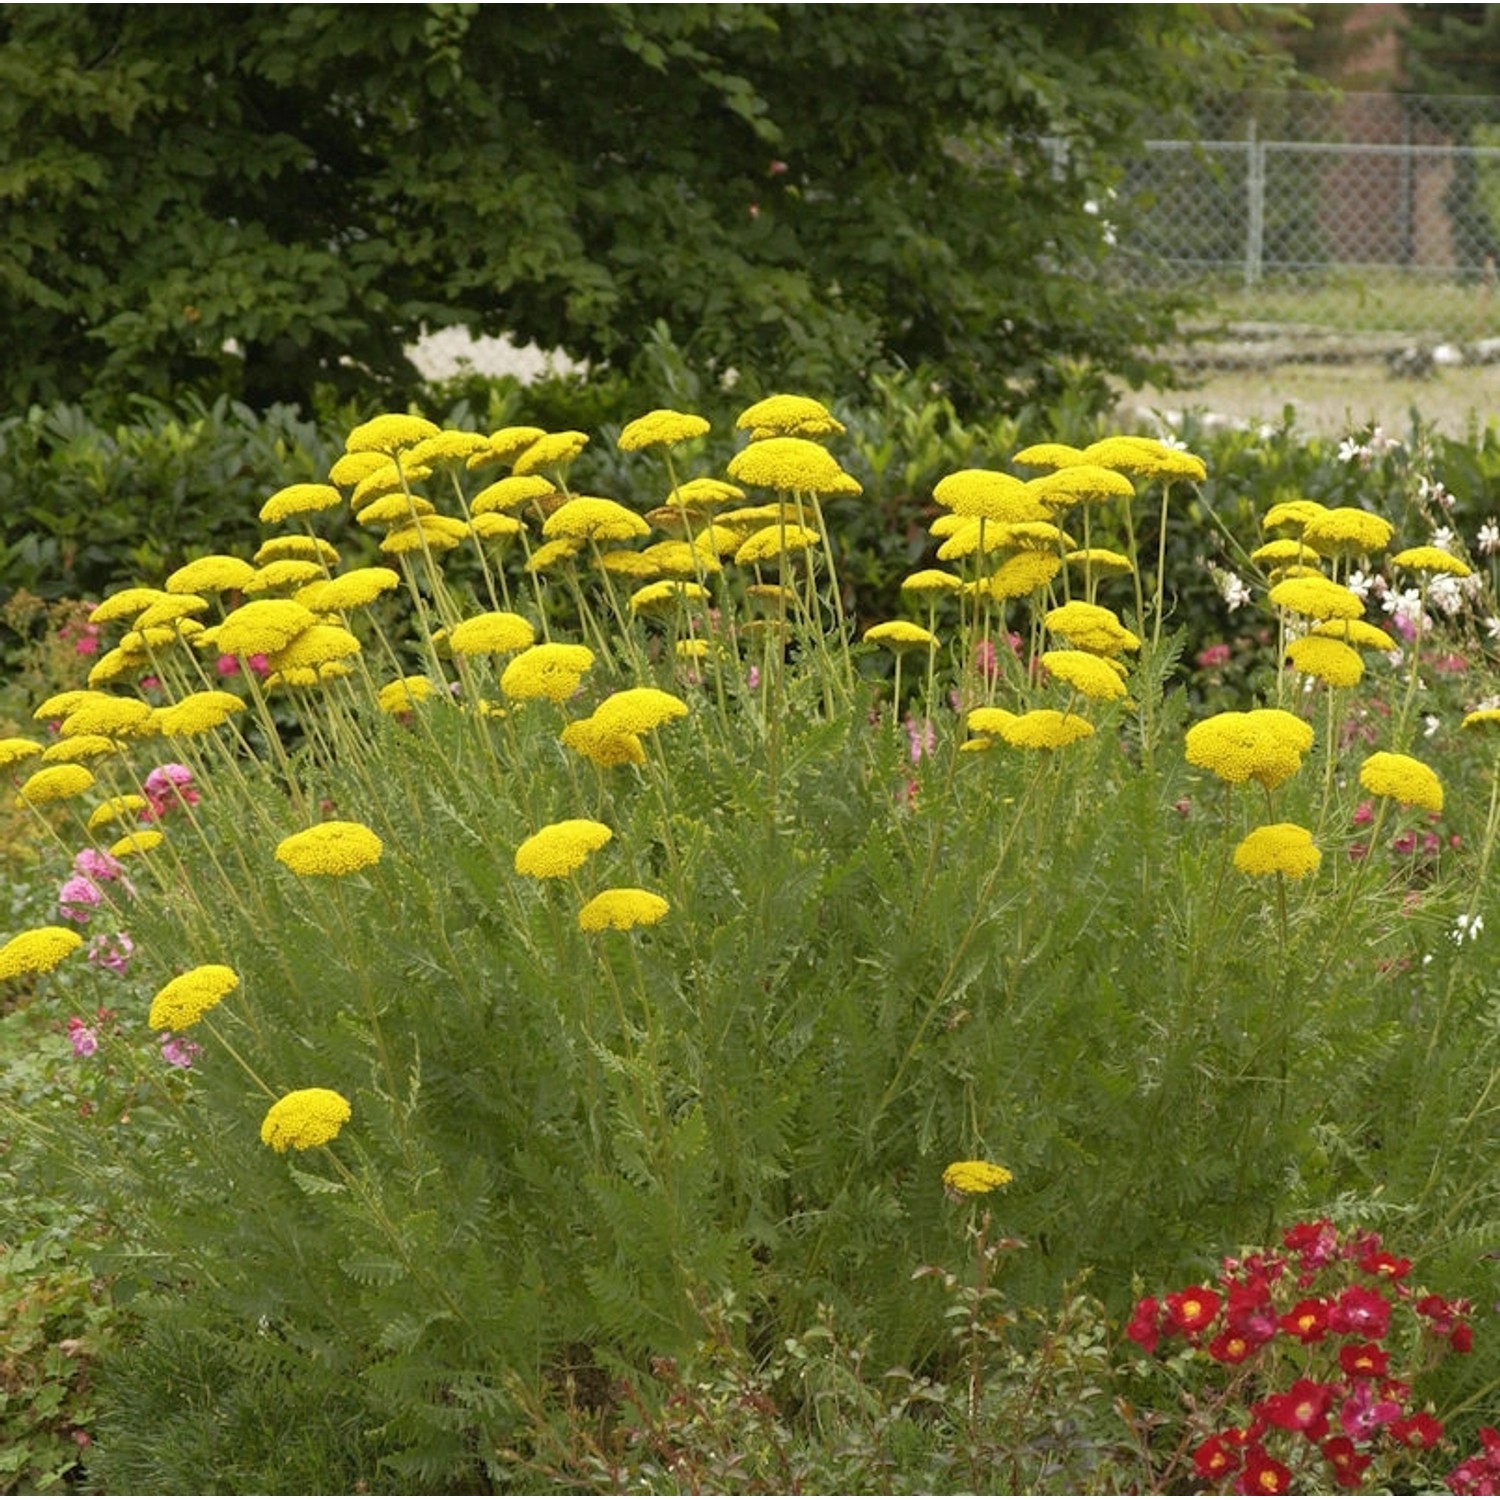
(1255, 195)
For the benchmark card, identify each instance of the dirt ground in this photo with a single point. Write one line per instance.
(1332, 399)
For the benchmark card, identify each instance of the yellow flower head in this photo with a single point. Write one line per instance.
(508, 442)
(391, 433)
(263, 626)
(771, 543)
(432, 533)
(197, 713)
(494, 527)
(115, 810)
(127, 604)
(552, 670)
(1146, 456)
(315, 647)
(1023, 573)
(1091, 675)
(349, 468)
(1317, 599)
(682, 559)
(1080, 483)
(967, 1179)
(638, 711)
(403, 695)
(1347, 531)
(1264, 745)
(305, 1118)
(387, 482)
(1405, 780)
(1045, 729)
(1482, 718)
(792, 463)
(54, 784)
(167, 611)
(305, 548)
(560, 848)
(284, 573)
(591, 519)
(15, 749)
(553, 451)
(116, 664)
(1091, 627)
(216, 574)
(511, 493)
(136, 843)
(664, 427)
(621, 909)
(59, 705)
(1278, 849)
(666, 596)
(1282, 552)
(604, 748)
(704, 493)
(931, 581)
(496, 632)
(1431, 560)
(1292, 515)
(990, 722)
(448, 449)
(38, 951)
(299, 500)
(351, 590)
(990, 495)
(788, 416)
(559, 550)
(332, 848)
(901, 635)
(1326, 659)
(187, 999)
(81, 747)
(1049, 456)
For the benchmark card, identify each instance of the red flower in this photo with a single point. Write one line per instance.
(1213, 1458)
(1303, 1408)
(1363, 1414)
(1307, 1321)
(1192, 1310)
(1462, 1338)
(1361, 1311)
(1145, 1326)
(1363, 1359)
(1421, 1430)
(1262, 1475)
(1383, 1263)
(1315, 1243)
(1348, 1465)
(1231, 1348)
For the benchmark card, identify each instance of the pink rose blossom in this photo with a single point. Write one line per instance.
(85, 1039)
(178, 1050)
(111, 952)
(78, 898)
(97, 865)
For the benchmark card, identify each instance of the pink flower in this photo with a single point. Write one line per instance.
(1213, 656)
(1360, 1311)
(1361, 1415)
(178, 1050)
(111, 952)
(97, 865)
(166, 787)
(77, 898)
(1364, 813)
(85, 1039)
(922, 738)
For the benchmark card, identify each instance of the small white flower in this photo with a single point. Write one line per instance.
(1467, 926)
(1350, 449)
(1492, 628)
(1489, 538)
(1443, 538)
(1379, 442)
(1434, 491)
(1234, 590)
(1430, 725)
(1445, 593)
(1359, 583)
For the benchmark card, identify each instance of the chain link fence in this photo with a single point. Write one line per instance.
(1360, 212)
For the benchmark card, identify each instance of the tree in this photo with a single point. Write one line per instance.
(267, 198)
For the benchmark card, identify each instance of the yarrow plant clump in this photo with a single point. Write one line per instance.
(1307, 1354)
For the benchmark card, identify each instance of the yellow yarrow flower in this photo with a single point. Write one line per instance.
(493, 527)
(305, 1118)
(969, 1179)
(116, 664)
(54, 784)
(215, 574)
(316, 647)
(511, 493)
(554, 450)
(59, 705)
(560, 848)
(1281, 552)
(1100, 561)
(496, 632)
(1278, 849)
(792, 463)
(1431, 560)
(197, 713)
(299, 500)
(351, 590)
(432, 533)
(350, 468)
(901, 635)
(771, 543)
(1023, 573)
(591, 519)
(603, 748)
(704, 493)
(1292, 515)
(169, 610)
(386, 482)
(1078, 484)
(115, 810)
(448, 449)
(1091, 627)
(1049, 456)
(1402, 778)
(931, 581)
(621, 909)
(403, 695)
(638, 710)
(788, 416)
(391, 433)
(284, 573)
(682, 559)
(1347, 531)
(1148, 457)
(1326, 659)
(81, 747)
(1264, 745)
(263, 626)
(304, 548)
(563, 549)
(1045, 729)
(185, 1000)
(552, 670)
(1481, 718)
(989, 495)
(667, 596)
(137, 843)
(990, 722)
(508, 442)
(14, 749)
(1317, 599)
(336, 847)
(1093, 676)
(662, 426)
(38, 951)
(126, 604)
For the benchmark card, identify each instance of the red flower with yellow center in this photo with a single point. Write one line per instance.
(1192, 1310)
(1262, 1475)
(1307, 1321)
(1213, 1458)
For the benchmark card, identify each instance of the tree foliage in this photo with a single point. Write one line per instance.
(281, 198)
